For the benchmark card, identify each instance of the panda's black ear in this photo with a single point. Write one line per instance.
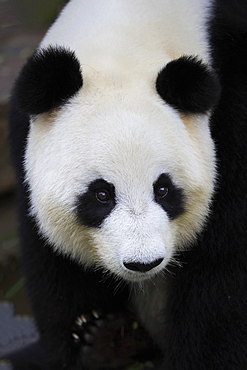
(48, 79)
(188, 85)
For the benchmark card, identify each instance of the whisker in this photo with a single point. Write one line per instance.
(119, 286)
(174, 262)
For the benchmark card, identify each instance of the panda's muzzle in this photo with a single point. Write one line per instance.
(142, 267)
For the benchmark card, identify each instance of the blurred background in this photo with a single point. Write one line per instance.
(23, 23)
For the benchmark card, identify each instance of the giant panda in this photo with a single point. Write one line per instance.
(128, 130)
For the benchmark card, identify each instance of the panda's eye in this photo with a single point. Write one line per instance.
(94, 205)
(102, 196)
(162, 191)
(169, 196)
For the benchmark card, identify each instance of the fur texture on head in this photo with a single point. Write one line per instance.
(128, 143)
(119, 137)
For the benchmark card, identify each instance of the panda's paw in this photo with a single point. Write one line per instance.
(110, 341)
(87, 328)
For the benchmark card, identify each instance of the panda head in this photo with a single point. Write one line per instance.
(120, 169)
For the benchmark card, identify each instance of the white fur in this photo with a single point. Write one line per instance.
(119, 129)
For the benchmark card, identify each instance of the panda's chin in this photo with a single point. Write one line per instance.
(139, 277)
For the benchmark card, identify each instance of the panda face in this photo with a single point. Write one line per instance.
(99, 207)
(118, 179)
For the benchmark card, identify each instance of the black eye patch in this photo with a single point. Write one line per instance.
(96, 203)
(188, 85)
(168, 196)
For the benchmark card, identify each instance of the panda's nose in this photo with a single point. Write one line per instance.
(142, 267)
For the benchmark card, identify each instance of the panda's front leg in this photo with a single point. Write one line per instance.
(86, 331)
(78, 336)
(111, 341)
(59, 295)
(85, 325)
(92, 334)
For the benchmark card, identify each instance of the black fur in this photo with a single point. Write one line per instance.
(206, 316)
(90, 211)
(173, 203)
(205, 322)
(188, 85)
(49, 78)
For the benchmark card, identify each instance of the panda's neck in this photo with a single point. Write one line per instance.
(148, 301)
